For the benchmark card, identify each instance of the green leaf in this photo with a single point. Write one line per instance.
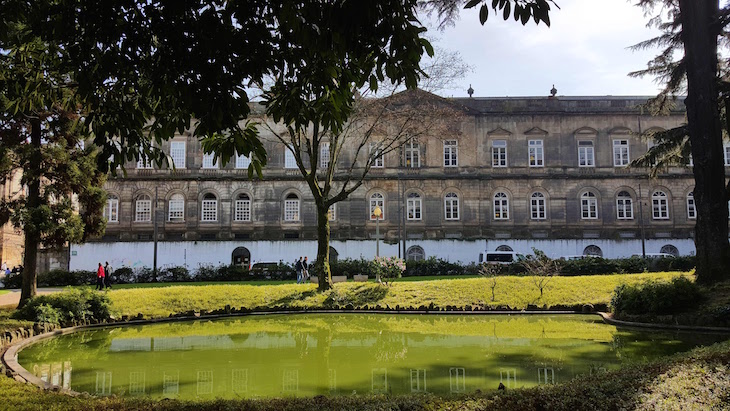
(471, 3)
(507, 8)
(483, 14)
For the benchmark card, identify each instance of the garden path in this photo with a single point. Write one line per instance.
(13, 297)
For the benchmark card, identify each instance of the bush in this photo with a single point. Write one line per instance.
(14, 280)
(173, 275)
(349, 267)
(388, 269)
(656, 298)
(73, 305)
(124, 275)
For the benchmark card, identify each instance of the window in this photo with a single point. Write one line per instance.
(176, 208)
(620, 153)
(670, 249)
(451, 153)
(624, 206)
(242, 210)
(418, 380)
(412, 154)
(588, 206)
(289, 160)
(332, 214)
(501, 206)
(415, 253)
(585, 154)
(291, 208)
(546, 375)
(691, 210)
(537, 158)
(243, 161)
(143, 209)
(414, 206)
(376, 153)
(209, 161)
(451, 206)
(324, 155)
(593, 250)
(537, 206)
(177, 154)
(503, 247)
(457, 379)
(499, 153)
(377, 200)
(205, 382)
(726, 151)
(144, 162)
(659, 206)
(111, 211)
(209, 208)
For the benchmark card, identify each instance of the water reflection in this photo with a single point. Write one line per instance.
(304, 355)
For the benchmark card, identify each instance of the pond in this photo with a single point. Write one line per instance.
(343, 354)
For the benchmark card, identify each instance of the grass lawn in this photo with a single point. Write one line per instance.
(4, 292)
(9, 324)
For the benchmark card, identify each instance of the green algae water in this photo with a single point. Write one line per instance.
(342, 354)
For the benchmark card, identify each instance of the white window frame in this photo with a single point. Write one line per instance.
(144, 163)
(242, 208)
(324, 154)
(289, 161)
(176, 208)
(586, 155)
(178, 153)
(332, 213)
(292, 208)
(143, 209)
(209, 161)
(209, 208)
(726, 153)
(538, 206)
(691, 208)
(378, 161)
(501, 206)
(412, 154)
(536, 153)
(111, 212)
(242, 162)
(377, 200)
(588, 206)
(414, 207)
(451, 207)
(451, 153)
(624, 206)
(499, 153)
(621, 156)
(659, 205)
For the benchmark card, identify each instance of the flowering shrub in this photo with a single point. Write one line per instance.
(387, 269)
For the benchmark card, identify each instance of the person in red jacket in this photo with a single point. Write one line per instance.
(100, 278)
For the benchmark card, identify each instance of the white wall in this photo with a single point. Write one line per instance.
(193, 254)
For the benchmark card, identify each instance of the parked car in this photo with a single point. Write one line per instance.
(500, 257)
(655, 255)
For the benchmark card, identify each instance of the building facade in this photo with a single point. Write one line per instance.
(11, 240)
(544, 172)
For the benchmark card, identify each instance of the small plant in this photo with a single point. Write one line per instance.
(542, 269)
(490, 271)
(388, 269)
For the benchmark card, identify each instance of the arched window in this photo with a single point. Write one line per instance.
(624, 206)
(377, 200)
(209, 207)
(176, 208)
(537, 206)
(414, 206)
(242, 211)
(588, 206)
(111, 211)
(291, 208)
(143, 209)
(334, 255)
(593, 250)
(451, 206)
(691, 210)
(415, 253)
(501, 206)
(659, 206)
(670, 249)
(504, 247)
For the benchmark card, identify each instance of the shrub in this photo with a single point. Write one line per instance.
(349, 267)
(67, 307)
(124, 275)
(388, 268)
(173, 274)
(14, 280)
(656, 298)
(144, 275)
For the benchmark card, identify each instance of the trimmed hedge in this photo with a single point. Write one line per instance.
(66, 308)
(654, 298)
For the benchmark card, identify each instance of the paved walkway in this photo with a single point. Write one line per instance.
(13, 297)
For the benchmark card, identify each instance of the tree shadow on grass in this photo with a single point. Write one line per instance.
(289, 299)
(361, 295)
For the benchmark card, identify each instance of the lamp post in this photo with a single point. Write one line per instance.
(377, 212)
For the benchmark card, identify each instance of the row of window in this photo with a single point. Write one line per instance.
(414, 207)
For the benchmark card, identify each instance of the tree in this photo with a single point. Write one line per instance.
(541, 268)
(41, 139)
(696, 26)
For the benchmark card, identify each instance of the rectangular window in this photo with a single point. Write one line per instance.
(177, 154)
(205, 382)
(414, 208)
(536, 155)
(418, 380)
(324, 155)
(143, 210)
(144, 163)
(177, 210)
(451, 153)
(377, 155)
(243, 161)
(209, 161)
(499, 153)
(691, 210)
(289, 160)
(290, 381)
(620, 153)
(379, 380)
(242, 210)
(112, 210)
(103, 383)
(171, 383)
(457, 379)
(291, 210)
(508, 377)
(585, 154)
(136, 382)
(210, 210)
(726, 150)
(546, 375)
(412, 154)
(332, 212)
(239, 380)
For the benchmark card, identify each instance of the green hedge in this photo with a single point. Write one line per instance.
(65, 308)
(656, 298)
(596, 265)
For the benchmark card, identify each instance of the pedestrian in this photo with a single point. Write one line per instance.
(298, 268)
(107, 275)
(100, 278)
(305, 269)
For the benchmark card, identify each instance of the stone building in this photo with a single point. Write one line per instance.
(11, 240)
(523, 172)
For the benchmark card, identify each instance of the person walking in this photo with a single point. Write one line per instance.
(305, 270)
(107, 275)
(100, 278)
(298, 268)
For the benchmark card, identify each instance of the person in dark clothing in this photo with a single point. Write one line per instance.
(298, 267)
(305, 270)
(107, 275)
(100, 278)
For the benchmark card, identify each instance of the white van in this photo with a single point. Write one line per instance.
(500, 257)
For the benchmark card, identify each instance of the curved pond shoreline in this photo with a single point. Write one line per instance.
(10, 356)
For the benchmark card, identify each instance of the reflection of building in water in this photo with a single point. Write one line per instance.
(205, 382)
(239, 380)
(103, 383)
(546, 375)
(171, 383)
(418, 380)
(136, 382)
(379, 380)
(508, 377)
(57, 373)
(457, 379)
(290, 381)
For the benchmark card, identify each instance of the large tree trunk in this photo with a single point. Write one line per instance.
(322, 267)
(30, 228)
(699, 34)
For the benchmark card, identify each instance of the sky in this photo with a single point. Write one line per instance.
(583, 53)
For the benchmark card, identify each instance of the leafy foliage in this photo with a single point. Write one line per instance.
(656, 298)
(73, 305)
(387, 269)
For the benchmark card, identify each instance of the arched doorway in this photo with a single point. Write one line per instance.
(334, 255)
(241, 257)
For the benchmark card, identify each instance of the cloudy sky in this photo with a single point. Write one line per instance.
(584, 52)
